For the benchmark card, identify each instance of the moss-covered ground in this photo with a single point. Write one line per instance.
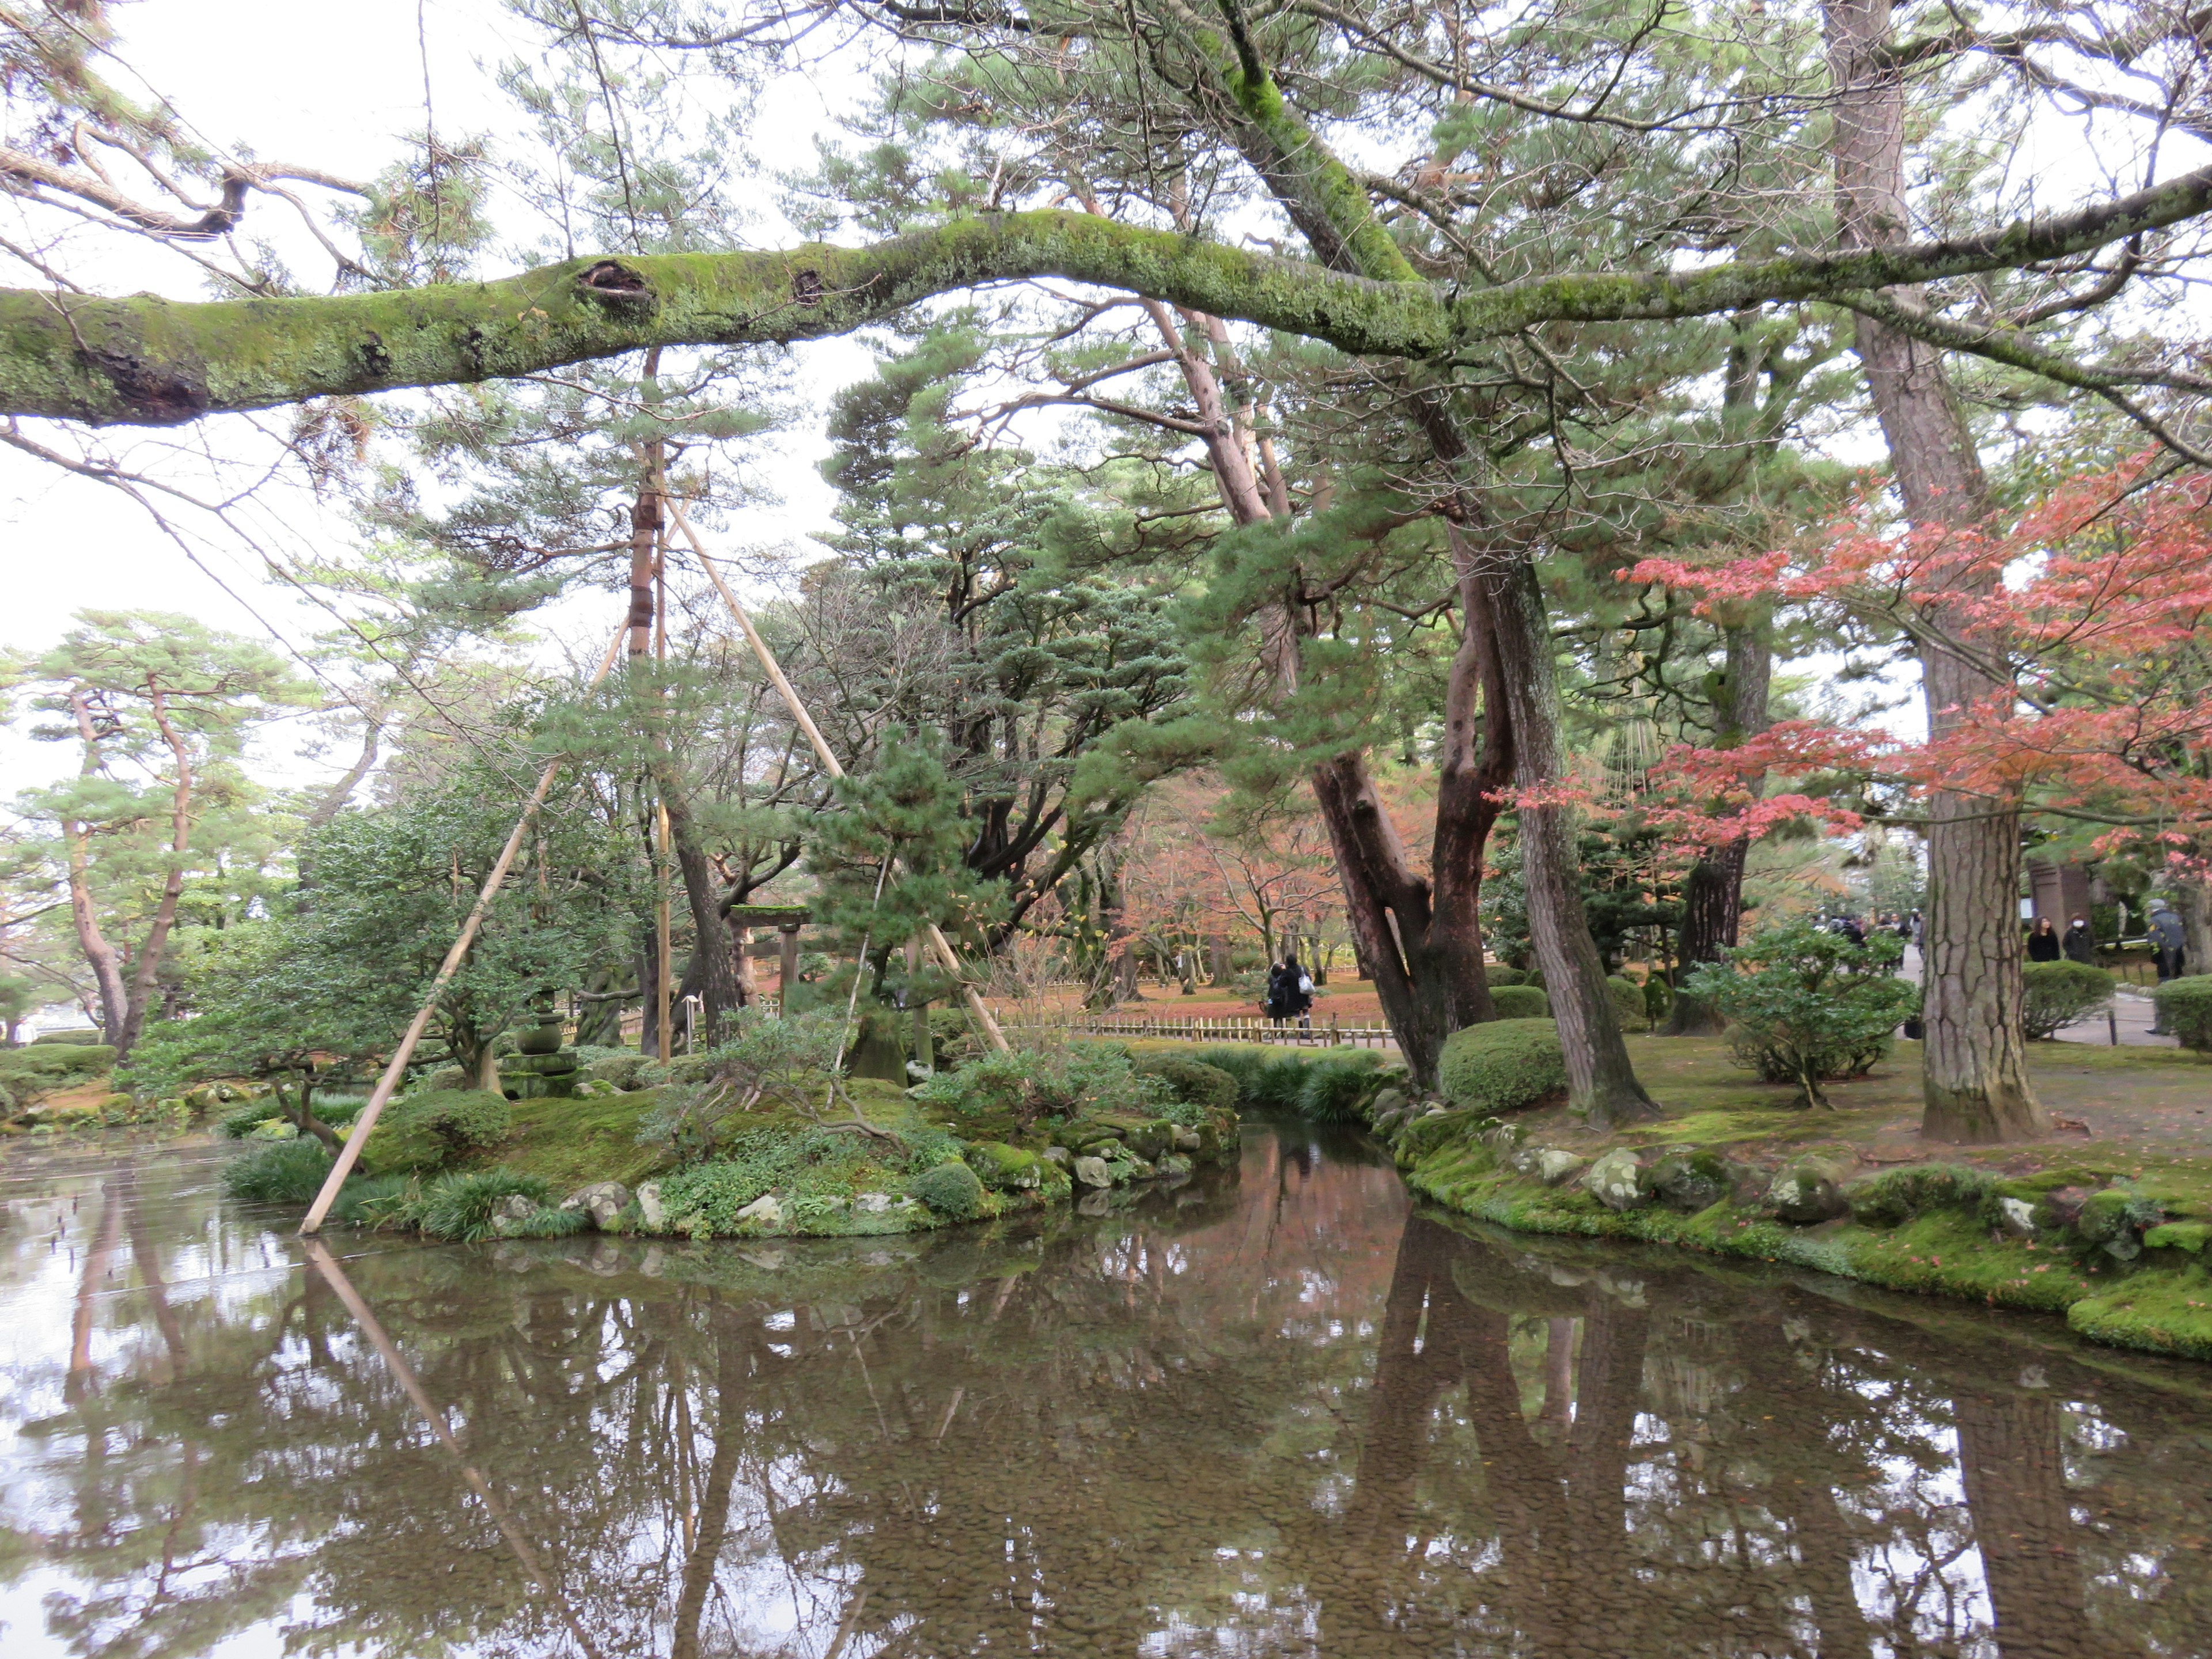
(2137, 1122)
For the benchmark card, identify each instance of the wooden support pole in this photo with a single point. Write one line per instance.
(939, 945)
(787, 968)
(388, 1084)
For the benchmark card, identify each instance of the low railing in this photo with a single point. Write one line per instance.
(1201, 1028)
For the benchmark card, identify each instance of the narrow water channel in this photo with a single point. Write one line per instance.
(1272, 1413)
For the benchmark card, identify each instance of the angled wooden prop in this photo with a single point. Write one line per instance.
(387, 1085)
(939, 946)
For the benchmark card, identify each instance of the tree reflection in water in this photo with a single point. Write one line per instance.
(1261, 1415)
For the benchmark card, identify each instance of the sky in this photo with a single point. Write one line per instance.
(332, 86)
(329, 87)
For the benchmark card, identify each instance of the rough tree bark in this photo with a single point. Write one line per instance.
(1975, 1086)
(1712, 894)
(150, 362)
(100, 954)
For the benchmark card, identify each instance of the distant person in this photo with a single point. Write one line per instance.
(2169, 939)
(1849, 928)
(1290, 991)
(1916, 925)
(2043, 942)
(1905, 928)
(2080, 944)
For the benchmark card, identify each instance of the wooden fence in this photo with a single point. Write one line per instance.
(1195, 1028)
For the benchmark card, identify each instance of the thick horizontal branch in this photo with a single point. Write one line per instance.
(147, 361)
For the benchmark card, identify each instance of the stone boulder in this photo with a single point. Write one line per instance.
(1149, 1141)
(2015, 1218)
(603, 1201)
(767, 1210)
(1806, 1194)
(1690, 1182)
(1188, 1141)
(509, 1213)
(650, 1209)
(1092, 1172)
(1555, 1164)
(1613, 1179)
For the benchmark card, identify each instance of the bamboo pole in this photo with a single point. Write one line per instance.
(939, 946)
(387, 1084)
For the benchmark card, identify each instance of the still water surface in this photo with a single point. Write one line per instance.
(1269, 1413)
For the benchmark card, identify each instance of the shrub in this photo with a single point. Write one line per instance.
(459, 1206)
(619, 1067)
(278, 1172)
(2057, 993)
(1502, 1065)
(88, 1036)
(1658, 1000)
(1895, 1196)
(1031, 1083)
(1267, 1080)
(378, 1202)
(1193, 1082)
(1521, 1002)
(1628, 1002)
(421, 1132)
(1496, 974)
(950, 1189)
(550, 1221)
(1337, 1084)
(58, 1062)
(2185, 1008)
(1805, 1006)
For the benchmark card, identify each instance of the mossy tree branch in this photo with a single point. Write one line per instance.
(146, 360)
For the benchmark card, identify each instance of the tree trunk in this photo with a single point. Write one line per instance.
(712, 971)
(2193, 899)
(99, 954)
(1601, 1079)
(149, 965)
(1712, 896)
(2011, 1465)
(1975, 1085)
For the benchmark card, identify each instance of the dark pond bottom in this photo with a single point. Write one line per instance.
(1269, 1413)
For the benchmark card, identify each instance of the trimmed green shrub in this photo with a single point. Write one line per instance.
(421, 1132)
(1496, 974)
(2185, 1008)
(1805, 1006)
(2057, 993)
(1521, 1002)
(1627, 1002)
(1895, 1196)
(1658, 1000)
(278, 1172)
(950, 1189)
(459, 1206)
(87, 1038)
(56, 1062)
(1193, 1082)
(1502, 1065)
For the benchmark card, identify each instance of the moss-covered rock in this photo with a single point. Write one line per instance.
(1690, 1180)
(1005, 1169)
(1193, 1082)
(951, 1189)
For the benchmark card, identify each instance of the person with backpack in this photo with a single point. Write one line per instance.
(1290, 991)
(2169, 939)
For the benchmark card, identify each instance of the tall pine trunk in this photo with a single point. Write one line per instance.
(1975, 1085)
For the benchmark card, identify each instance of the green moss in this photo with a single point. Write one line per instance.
(421, 1132)
(951, 1189)
(2189, 1236)
(2161, 1312)
(572, 1142)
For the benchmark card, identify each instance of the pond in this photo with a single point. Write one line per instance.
(1270, 1412)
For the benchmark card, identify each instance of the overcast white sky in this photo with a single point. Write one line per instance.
(330, 87)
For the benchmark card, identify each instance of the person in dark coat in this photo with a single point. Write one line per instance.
(2043, 942)
(1289, 991)
(2080, 944)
